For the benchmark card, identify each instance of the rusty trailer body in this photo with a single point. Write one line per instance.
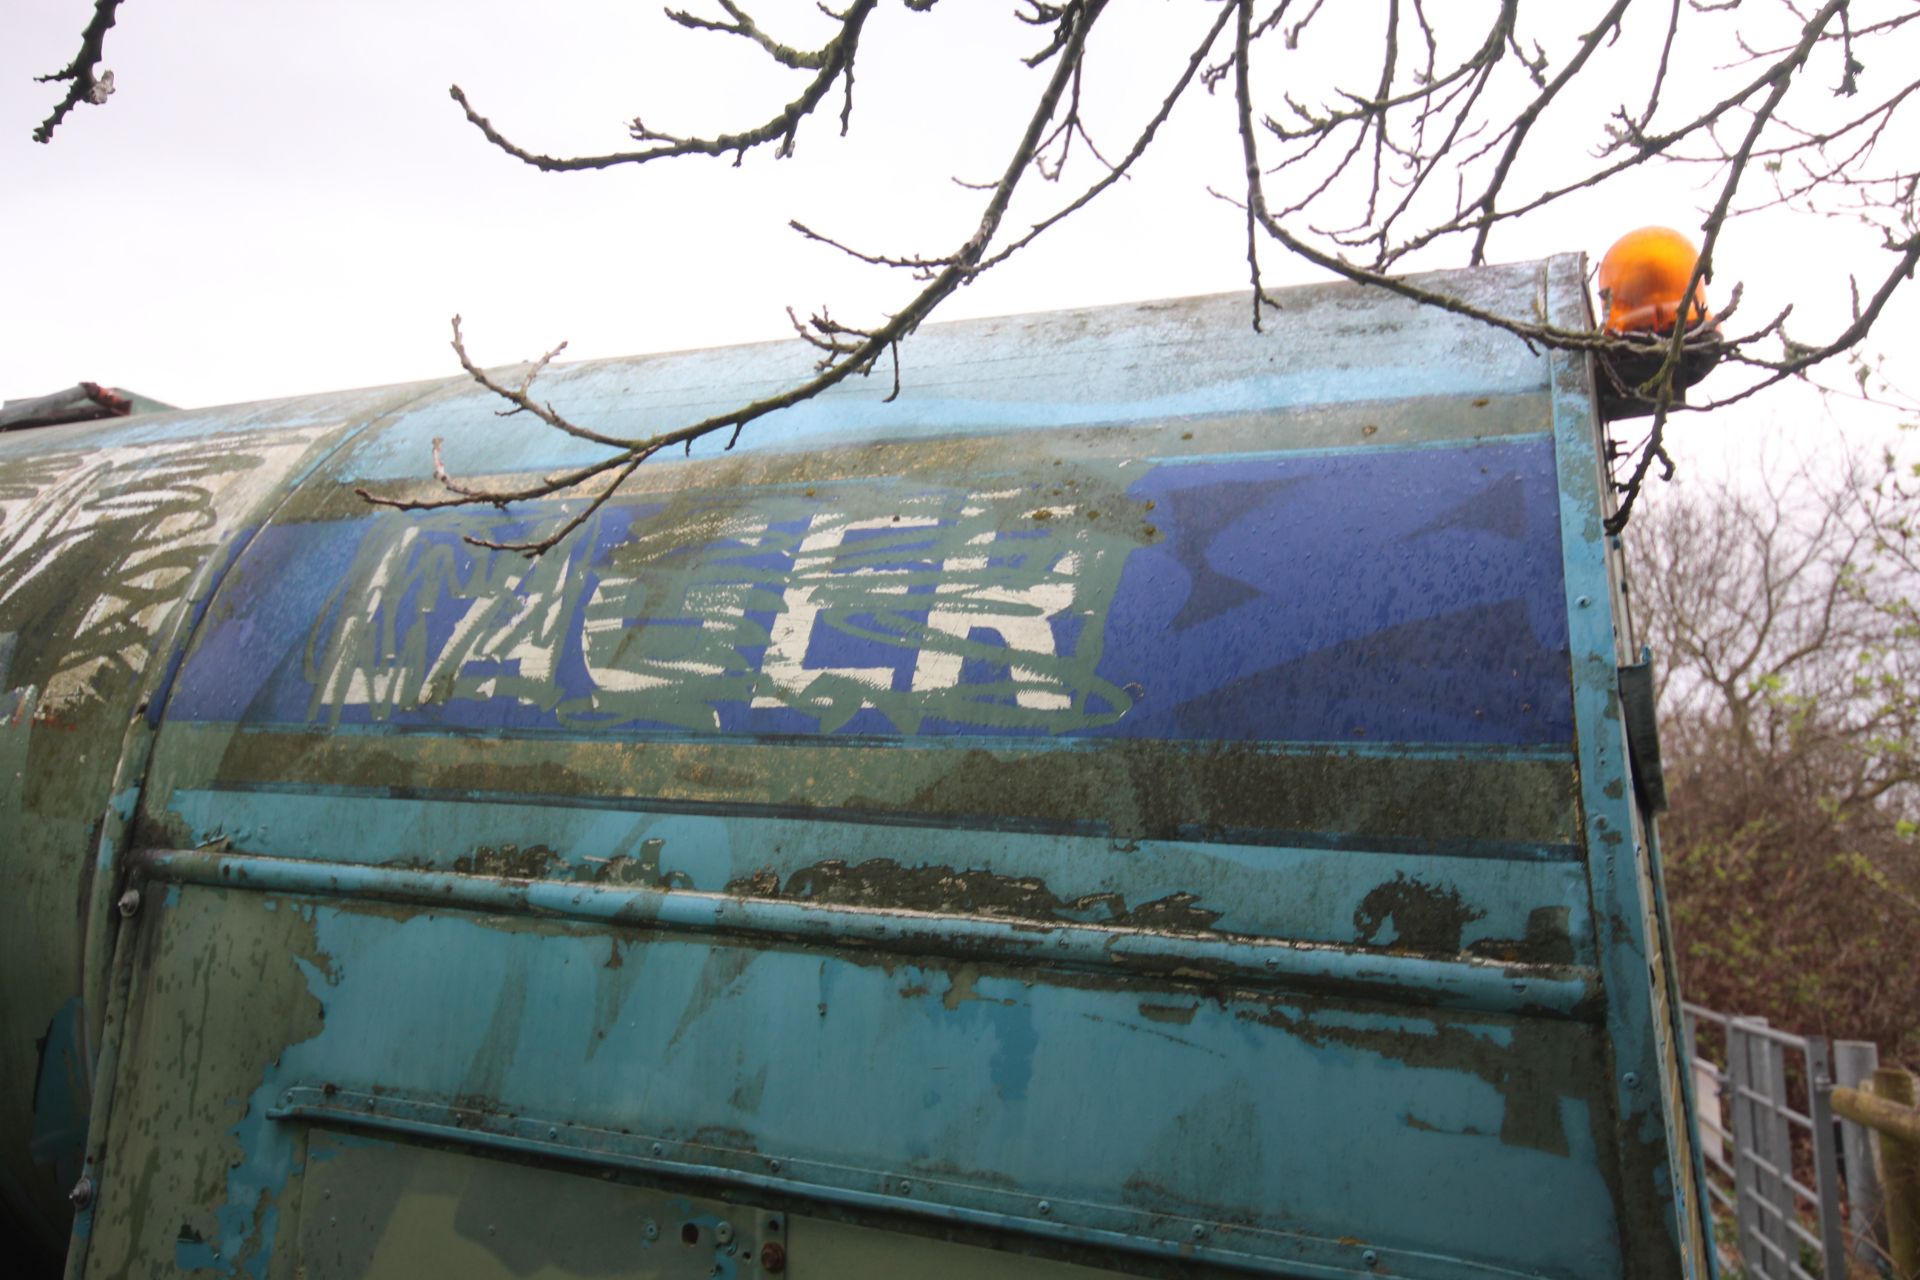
(1153, 798)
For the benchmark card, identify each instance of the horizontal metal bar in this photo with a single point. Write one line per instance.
(1761, 1202)
(1701, 1011)
(1558, 991)
(1778, 1108)
(1786, 1038)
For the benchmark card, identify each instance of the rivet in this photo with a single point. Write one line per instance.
(773, 1257)
(906, 1188)
(724, 1233)
(651, 1230)
(1046, 1207)
(1585, 601)
(1370, 1258)
(774, 1165)
(129, 902)
(658, 1149)
(1199, 1232)
(1631, 1080)
(553, 1131)
(82, 1194)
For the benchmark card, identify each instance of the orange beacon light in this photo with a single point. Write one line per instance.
(1642, 278)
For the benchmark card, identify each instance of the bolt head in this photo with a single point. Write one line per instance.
(82, 1194)
(129, 902)
(773, 1257)
(1631, 1080)
(724, 1233)
(1371, 1258)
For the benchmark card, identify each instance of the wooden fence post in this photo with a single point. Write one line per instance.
(1854, 1062)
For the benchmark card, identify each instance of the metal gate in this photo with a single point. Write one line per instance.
(1793, 1182)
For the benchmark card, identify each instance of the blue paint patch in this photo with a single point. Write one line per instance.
(1410, 596)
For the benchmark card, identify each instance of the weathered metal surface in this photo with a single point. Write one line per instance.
(1228, 718)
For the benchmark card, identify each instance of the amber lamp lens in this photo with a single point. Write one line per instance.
(1643, 277)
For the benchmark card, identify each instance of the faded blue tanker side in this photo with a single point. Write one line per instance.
(1224, 720)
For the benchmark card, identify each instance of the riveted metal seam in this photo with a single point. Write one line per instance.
(1605, 789)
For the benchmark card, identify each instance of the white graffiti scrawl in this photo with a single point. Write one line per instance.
(972, 608)
(134, 522)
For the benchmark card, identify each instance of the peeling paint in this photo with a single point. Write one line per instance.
(883, 882)
(1422, 917)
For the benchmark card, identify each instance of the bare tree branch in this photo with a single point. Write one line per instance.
(82, 84)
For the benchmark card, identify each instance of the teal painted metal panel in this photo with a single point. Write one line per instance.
(1152, 795)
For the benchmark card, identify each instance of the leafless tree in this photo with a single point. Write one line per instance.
(1429, 147)
(1785, 619)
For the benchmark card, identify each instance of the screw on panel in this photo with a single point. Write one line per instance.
(906, 1188)
(1046, 1207)
(658, 1149)
(773, 1257)
(1631, 1080)
(1585, 601)
(724, 1233)
(82, 1194)
(774, 1165)
(651, 1230)
(553, 1131)
(1199, 1232)
(129, 902)
(1370, 1258)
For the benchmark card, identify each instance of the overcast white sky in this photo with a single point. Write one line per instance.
(281, 198)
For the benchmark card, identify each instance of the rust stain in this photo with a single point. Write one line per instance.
(943, 890)
(1182, 1014)
(1529, 1073)
(1426, 917)
(1548, 940)
(510, 862)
